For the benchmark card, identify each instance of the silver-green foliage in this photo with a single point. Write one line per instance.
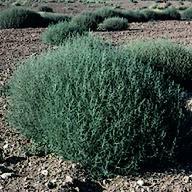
(95, 104)
(174, 59)
(113, 24)
(19, 18)
(57, 34)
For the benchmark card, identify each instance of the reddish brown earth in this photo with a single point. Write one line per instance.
(31, 171)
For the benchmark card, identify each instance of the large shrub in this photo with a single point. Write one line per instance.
(114, 24)
(163, 55)
(94, 104)
(19, 18)
(57, 34)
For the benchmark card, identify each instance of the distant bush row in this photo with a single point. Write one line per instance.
(21, 18)
(107, 19)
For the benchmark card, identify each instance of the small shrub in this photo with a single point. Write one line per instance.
(187, 14)
(163, 55)
(87, 20)
(19, 18)
(45, 9)
(114, 24)
(107, 12)
(57, 34)
(97, 105)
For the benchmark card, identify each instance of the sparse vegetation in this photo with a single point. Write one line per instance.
(100, 105)
(113, 24)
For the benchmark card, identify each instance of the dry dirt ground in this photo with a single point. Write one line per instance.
(23, 170)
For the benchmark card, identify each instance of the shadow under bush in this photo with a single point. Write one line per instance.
(53, 18)
(97, 105)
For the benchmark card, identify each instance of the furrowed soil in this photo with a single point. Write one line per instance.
(23, 169)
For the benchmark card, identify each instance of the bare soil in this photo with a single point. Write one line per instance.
(23, 170)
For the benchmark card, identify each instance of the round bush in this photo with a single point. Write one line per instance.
(19, 18)
(93, 103)
(114, 24)
(57, 34)
(87, 20)
(174, 59)
(45, 9)
(187, 14)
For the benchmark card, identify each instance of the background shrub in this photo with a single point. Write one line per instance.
(87, 20)
(45, 9)
(53, 18)
(57, 34)
(166, 14)
(107, 12)
(172, 13)
(114, 24)
(174, 59)
(187, 14)
(19, 18)
(133, 15)
(95, 104)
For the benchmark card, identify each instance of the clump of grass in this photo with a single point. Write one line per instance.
(113, 24)
(57, 34)
(96, 104)
(19, 18)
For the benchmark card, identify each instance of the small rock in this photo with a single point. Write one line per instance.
(140, 182)
(6, 175)
(5, 146)
(77, 189)
(68, 179)
(186, 179)
(44, 172)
